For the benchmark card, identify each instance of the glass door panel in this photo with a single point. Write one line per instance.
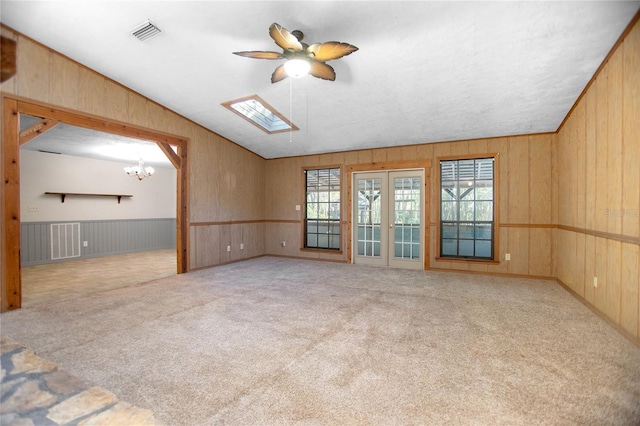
(406, 211)
(369, 217)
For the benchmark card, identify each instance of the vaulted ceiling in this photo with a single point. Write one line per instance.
(424, 72)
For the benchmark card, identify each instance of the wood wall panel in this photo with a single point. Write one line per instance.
(598, 154)
(64, 82)
(116, 101)
(33, 70)
(631, 134)
(590, 158)
(614, 144)
(91, 92)
(539, 180)
(602, 112)
(589, 268)
(629, 292)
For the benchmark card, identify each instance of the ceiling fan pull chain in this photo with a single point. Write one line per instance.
(291, 110)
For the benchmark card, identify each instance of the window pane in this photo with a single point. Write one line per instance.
(449, 247)
(466, 210)
(450, 230)
(466, 248)
(484, 192)
(449, 210)
(483, 248)
(483, 231)
(484, 210)
(466, 231)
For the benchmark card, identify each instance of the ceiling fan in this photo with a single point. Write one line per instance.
(301, 58)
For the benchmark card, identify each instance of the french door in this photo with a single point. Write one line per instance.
(388, 218)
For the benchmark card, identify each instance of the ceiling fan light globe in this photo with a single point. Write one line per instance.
(297, 68)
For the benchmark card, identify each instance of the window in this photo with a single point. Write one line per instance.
(255, 110)
(322, 212)
(467, 208)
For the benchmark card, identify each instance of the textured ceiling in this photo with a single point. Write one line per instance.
(425, 71)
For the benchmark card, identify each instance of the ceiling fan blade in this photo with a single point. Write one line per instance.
(284, 38)
(330, 50)
(279, 74)
(322, 70)
(256, 54)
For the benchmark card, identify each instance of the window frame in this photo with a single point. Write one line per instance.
(495, 258)
(304, 219)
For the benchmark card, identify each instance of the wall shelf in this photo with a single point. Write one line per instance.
(63, 195)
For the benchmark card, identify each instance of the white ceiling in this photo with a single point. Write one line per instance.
(425, 72)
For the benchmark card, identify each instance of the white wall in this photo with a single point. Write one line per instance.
(153, 197)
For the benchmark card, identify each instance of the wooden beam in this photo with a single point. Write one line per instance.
(95, 123)
(8, 66)
(170, 153)
(37, 129)
(10, 250)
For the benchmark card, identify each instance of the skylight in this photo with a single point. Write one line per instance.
(258, 112)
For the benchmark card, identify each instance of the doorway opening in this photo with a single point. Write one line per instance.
(388, 218)
(173, 147)
(389, 210)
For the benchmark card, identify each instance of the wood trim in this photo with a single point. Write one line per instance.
(424, 165)
(418, 144)
(12, 107)
(235, 222)
(37, 129)
(595, 310)
(529, 225)
(97, 123)
(624, 34)
(463, 260)
(171, 155)
(520, 225)
(599, 234)
(322, 251)
(306, 258)
(199, 268)
(10, 256)
(496, 274)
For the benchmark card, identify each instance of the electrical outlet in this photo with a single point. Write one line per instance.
(283, 243)
(298, 207)
(85, 244)
(595, 282)
(228, 248)
(507, 256)
(241, 246)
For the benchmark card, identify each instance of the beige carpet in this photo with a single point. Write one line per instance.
(277, 341)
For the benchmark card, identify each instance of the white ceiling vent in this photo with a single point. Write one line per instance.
(145, 31)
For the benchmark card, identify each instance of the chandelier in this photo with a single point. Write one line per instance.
(139, 171)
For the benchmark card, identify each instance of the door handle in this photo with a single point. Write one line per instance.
(391, 225)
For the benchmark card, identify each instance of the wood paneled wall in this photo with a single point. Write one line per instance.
(598, 190)
(525, 199)
(225, 180)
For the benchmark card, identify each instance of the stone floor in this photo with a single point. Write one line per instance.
(34, 392)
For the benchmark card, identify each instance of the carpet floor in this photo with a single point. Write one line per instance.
(280, 341)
